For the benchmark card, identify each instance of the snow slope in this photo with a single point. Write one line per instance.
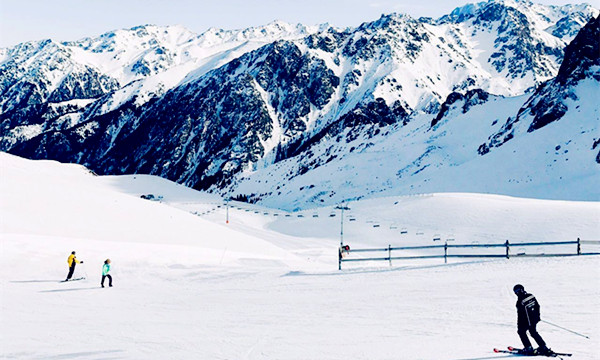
(266, 286)
(67, 201)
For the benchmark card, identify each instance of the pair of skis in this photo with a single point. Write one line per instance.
(515, 351)
(75, 279)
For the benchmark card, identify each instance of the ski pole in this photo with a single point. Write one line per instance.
(84, 271)
(560, 327)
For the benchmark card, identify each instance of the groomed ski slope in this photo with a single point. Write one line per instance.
(266, 286)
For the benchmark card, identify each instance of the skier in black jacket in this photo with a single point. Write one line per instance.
(528, 315)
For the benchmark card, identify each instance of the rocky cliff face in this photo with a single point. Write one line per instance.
(579, 72)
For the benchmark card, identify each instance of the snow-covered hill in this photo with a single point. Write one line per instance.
(266, 285)
(224, 109)
(68, 202)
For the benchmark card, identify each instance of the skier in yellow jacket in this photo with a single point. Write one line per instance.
(72, 260)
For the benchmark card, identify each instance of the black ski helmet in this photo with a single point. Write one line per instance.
(518, 288)
(73, 252)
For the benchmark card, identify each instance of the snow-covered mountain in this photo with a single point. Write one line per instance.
(572, 93)
(48, 86)
(267, 111)
(542, 144)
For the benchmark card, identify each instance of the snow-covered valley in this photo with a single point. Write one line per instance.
(266, 285)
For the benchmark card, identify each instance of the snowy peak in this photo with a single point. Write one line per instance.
(139, 37)
(385, 22)
(573, 18)
(539, 14)
(276, 30)
(529, 38)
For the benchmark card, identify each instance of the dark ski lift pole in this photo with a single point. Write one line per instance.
(227, 211)
(342, 207)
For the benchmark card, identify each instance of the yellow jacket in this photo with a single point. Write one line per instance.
(71, 259)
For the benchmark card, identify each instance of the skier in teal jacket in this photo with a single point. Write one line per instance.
(105, 273)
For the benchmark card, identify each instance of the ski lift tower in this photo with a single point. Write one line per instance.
(342, 207)
(227, 210)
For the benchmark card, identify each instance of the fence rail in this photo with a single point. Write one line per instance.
(506, 245)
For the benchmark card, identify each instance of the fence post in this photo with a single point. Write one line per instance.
(446, 252)
(578, 246)
(507, 249)
(390, 254)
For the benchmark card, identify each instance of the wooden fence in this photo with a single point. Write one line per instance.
(343, 251)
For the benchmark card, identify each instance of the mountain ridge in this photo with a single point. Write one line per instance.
(236, 108)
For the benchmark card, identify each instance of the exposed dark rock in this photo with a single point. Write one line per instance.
(582, 53)
(580, 56)
(468, 100)
(87, 84)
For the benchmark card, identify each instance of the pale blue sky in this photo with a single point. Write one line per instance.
(24, 20)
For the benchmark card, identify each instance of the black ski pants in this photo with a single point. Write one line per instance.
(109, 280)
(71, 270)
(522, 331)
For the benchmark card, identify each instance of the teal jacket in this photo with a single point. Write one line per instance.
(105, 269)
